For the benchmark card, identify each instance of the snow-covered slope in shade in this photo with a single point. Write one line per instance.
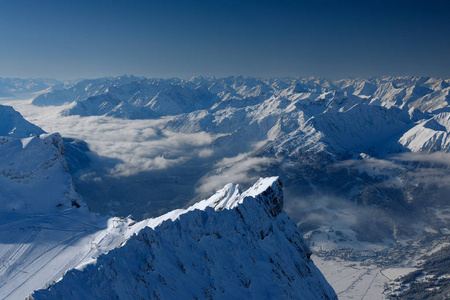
(231, 246)
(80, 90)
(365, 88)
(12, 124)
(143, 100)
(361, 127)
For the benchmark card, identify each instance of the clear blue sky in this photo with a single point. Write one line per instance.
(68, 39)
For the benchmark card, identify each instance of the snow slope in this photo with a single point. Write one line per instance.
(430, 135)
(235, 246)
(12, 124)
(45, 226)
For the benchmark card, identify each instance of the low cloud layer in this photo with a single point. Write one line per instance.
(239, 169)
(427, 169)
(140, 145)
(441, 158)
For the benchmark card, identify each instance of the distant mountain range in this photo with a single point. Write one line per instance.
(13, 86)
(351, 115)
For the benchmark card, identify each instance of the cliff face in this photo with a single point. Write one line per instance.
(231, 246)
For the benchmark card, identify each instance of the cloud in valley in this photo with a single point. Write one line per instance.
(140, 145)
(243, 171)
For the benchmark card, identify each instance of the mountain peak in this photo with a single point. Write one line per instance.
(266, 190)
(233, 246)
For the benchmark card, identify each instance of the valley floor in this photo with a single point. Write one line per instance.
(352, 280)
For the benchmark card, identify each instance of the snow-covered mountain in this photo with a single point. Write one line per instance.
(331, 112)
(143, 99)
(231, 245)
(426, 94)
(80, 90)
(430, 135)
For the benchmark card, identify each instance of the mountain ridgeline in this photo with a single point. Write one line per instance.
(232, 245)
(386, 107)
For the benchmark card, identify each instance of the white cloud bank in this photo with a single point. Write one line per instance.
(242, 170)
(140, 145)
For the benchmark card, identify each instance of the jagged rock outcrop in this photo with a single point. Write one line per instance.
(232, 245)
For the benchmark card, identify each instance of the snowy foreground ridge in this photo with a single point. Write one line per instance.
(230, 246)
